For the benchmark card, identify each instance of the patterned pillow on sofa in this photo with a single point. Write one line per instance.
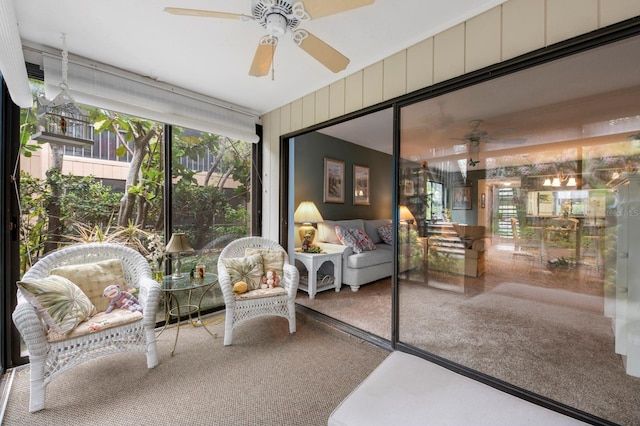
(355, 238)
(386, 233)
(362, 239)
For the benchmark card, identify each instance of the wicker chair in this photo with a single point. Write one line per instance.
(239, 311)
(48, 359)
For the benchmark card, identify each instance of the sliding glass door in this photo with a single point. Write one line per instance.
(529, 274)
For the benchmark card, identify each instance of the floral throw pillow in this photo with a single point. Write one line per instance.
(347, 239)
(355, 238)
(362, 239)
(386, 234)
(59, 302)
(248, 269)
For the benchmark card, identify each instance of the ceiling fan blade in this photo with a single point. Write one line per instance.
(319, 8)
(263, 57)
(321, 51)
(206, 13)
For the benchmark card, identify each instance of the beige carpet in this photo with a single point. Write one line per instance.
(267, 377)
(551, 341)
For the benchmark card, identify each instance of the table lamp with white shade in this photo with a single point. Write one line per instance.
(306, 214)
(178, 245)
(406, 216)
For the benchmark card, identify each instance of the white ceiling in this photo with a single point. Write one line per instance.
(212, 56)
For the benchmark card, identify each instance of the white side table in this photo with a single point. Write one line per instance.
(313, 261)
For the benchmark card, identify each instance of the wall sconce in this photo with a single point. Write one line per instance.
(619, 176)
(560, 179)
(307, 213)
(178, 245)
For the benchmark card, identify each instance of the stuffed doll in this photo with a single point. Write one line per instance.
(270, 280)
(121, 299)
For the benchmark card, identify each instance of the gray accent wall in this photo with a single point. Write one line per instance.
(310, 151)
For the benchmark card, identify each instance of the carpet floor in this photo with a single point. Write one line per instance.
(267, 377)
(539, 330)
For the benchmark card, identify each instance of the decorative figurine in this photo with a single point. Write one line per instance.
(306, 244)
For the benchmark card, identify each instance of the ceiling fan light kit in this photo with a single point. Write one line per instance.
(280, 17)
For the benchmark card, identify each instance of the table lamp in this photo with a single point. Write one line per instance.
(406, 215)
(307, 213)
(178, 245)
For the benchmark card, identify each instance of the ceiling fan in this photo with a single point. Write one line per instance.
(280, 17)
(477, 135)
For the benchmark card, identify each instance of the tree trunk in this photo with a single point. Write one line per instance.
(221, 151)
(225, 176)
(128, 201)
(143, 208)
(54, 227)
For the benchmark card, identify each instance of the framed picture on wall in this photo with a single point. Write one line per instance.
(360, 186)
(409, 189)
(462, 198)
(333, 181)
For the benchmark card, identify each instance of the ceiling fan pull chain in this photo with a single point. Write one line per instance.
(273, 67)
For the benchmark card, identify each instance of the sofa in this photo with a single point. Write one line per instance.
(370, 265)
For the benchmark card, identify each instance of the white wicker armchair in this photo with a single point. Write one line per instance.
(47, 358)
(239, 311)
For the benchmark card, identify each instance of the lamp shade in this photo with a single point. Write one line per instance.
(307, 212)
(178, 243)
(406, 215)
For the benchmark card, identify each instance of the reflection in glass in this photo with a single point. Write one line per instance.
(525, 285)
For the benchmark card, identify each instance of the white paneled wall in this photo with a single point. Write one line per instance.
(504, 32)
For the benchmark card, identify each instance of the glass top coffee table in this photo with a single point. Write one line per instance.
(181, 300)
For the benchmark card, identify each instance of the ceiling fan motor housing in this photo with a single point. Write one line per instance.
(276, 16)
(276, 24)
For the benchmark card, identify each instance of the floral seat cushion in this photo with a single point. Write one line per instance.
(98, 322)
